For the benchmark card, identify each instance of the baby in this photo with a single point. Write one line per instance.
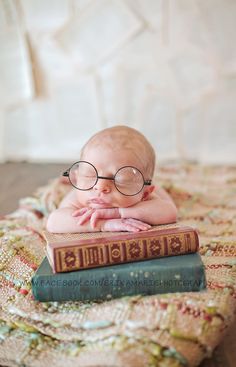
(112, 187)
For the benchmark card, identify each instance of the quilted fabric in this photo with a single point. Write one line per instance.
(177, 329)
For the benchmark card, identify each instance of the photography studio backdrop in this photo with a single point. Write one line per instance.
(71, 67)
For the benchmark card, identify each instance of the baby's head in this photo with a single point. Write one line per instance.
(124, 140)
(108, 151)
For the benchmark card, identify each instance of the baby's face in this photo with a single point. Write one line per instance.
(105, 194)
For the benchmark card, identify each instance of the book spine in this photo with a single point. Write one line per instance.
(146, 278)
(102, 253)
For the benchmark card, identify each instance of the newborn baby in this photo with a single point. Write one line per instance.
(112, 188)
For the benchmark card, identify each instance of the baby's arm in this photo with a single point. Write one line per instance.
(159, 208)
(62, 221)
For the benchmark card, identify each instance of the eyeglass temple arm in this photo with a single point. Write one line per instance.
(66, 173)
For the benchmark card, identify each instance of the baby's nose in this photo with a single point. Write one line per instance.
(103, 185)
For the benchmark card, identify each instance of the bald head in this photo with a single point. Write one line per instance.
(121, 138)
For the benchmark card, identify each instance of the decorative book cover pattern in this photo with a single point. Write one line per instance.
(69, 252)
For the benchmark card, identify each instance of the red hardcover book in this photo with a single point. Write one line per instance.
(74, 251)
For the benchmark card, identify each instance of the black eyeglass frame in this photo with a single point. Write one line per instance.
(145, 182)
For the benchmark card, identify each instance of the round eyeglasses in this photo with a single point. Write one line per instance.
(128, 180)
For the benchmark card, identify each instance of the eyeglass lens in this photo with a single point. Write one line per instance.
(83, 175)
(128, 180)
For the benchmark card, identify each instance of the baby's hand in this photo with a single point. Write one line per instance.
(127, 224)
(94, 215)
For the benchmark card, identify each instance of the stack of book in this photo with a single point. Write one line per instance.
(105, 265)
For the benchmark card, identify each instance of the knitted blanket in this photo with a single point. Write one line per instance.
(176, 329)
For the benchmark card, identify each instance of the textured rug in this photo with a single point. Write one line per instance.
(177, 329)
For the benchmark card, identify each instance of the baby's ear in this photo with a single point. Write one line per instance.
(147, 192)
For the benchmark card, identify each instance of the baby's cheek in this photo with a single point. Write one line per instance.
(126, 201)
(82, 198)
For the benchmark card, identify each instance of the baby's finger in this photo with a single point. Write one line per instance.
(78, 212)
(130, 228)
(138, 224)
(109, 213)
(85, 217)
(94, 218)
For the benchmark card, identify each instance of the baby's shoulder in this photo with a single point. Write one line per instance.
(161, 193)
(158, 193)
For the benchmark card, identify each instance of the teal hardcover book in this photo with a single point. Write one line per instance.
(182, 273)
